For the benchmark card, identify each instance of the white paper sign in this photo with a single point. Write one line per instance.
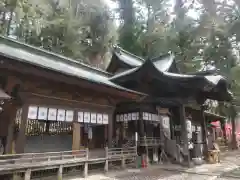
(42, 113)
(145, 116)
(61, 115)
(121, 118)
(80, 116)
(32, 112)
(193, 128)
(134, 116)
(125, 117)
(117, 118)
(93, 118)
(90, 133)
(69, 115)
(86, 117)
(129, 117)
(52, 114)
(99, 118)
(105, 119)
(189, 125)
(137, 116)
(165, 122)
(149, 116)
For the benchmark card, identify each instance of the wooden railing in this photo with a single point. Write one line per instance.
(41, 157)
(150, 141)
(27, 163)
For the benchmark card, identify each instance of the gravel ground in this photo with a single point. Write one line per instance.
(155, 174)
(171, 172)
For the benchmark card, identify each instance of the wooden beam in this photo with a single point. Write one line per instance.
(28, 69)
(76, 142)
(60, 173)
(21, 137)
(110, 130)
(27, 175)
(12, 112)
(204, 132)
(184, 134)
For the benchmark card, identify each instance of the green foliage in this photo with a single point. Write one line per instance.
(80, 30)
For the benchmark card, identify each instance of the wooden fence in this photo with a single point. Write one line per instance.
(150, 141)
(27, 163)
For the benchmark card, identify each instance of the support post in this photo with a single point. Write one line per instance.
(123, 160)
(110, 129)
(204, 132)
(60, 172)
(21, 137)
(143, 137)
(106, 162)
(184, 135)
(85, 173)
(234, 138)
(10, 139)
(27, 175)
(223, 123)
(12, 112)
(76, 135)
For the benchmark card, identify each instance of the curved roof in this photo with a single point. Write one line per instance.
(123, 59)
(210, 86)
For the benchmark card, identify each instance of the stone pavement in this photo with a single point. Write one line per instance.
(230, 161)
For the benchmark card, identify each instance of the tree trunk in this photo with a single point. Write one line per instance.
(3, 22)
(9, 22)
(234, 139)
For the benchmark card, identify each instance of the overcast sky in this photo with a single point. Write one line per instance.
(192, 13)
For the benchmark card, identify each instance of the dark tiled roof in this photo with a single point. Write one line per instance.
(127, 57)
(31, 55)
(213, 85)
(124, 57)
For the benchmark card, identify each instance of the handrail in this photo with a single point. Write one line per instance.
(150, 141)
(26, 162)
(59, 152)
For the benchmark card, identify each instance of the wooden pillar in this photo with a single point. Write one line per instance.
(204, 132)
(11, 130)
(184, 134)
(106, 162)
(21, 137)
(60, 173)
(85, 171)
(171, 127)
(111, 119)
(10, 139)
(105, 135)
(27, 175)
(234, 138)
(76, 135)
(223, 123)
(141, 126)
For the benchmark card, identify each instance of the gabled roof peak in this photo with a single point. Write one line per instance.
(119, 49)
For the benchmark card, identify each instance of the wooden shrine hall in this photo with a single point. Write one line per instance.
(165, 118)
(57, 104)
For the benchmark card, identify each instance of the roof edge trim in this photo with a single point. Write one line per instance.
(53, 55)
